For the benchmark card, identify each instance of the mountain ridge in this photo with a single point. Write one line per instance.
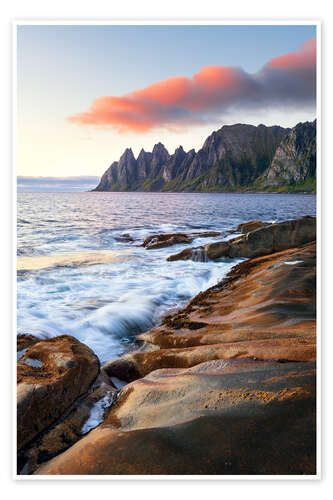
(235, 158)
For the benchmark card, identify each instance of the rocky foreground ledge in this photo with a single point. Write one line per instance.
(225, 386)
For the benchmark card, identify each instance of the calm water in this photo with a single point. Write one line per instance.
(79, 274)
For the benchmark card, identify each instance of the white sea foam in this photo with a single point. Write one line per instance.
(97, 413)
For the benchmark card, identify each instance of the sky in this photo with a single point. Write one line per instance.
(85, 93)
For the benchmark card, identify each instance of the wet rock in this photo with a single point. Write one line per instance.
(263, 241)
(165, 240)
(47, 389)
(234, 417)
(186, 254)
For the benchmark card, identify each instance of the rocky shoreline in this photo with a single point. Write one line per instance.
(224, 386)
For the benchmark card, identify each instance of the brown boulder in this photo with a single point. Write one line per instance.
(51, 375)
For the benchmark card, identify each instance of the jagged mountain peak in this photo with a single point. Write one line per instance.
(234, 158)
(127, 155)
(160, 148)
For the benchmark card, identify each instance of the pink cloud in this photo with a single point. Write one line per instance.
(180, 101)
(302, 59)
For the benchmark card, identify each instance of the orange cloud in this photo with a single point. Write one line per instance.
(304, 58)
(167, 93)
(180, 101)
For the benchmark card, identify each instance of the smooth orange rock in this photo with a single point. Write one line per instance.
(220, 417)
(265, 308)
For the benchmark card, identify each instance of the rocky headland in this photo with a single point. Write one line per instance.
(234, 158)
(224, 386)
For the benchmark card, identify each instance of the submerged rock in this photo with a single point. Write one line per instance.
(262, 241)
(46, 390)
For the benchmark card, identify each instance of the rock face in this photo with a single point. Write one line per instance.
(51, 375)
(231, 388)
(130, 174)
(295, 158)
(262, 241)
(234, 158)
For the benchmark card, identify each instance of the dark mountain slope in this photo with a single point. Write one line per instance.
(235, 158)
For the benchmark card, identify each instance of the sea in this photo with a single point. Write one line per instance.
(81, 269)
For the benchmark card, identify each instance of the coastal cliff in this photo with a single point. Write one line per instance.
(234, 158)
(224, 386)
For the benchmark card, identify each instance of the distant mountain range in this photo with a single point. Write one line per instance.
(235, 158)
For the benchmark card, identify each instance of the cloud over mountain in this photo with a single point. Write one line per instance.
(287, 80)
